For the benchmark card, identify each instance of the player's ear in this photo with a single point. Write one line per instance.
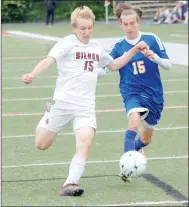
(73, 29)
(120, 21)
(138, 20)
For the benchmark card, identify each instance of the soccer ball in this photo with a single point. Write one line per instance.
(132, 164)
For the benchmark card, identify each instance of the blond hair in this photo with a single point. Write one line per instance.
(82, 12)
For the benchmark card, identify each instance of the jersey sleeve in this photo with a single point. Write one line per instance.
(101, 72)
(159, 48)
(60, 49)
(105, 58)
(114, 51)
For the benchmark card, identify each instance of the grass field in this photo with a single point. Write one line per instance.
(33, 178)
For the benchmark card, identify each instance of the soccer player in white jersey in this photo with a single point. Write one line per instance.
(77, 58)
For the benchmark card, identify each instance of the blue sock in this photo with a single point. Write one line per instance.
(129, 141)
(139, 144)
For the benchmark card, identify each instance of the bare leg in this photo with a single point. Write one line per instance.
(84, 137)
(146, 133)
(44, 138)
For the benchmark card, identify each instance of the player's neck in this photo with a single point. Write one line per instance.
(135, 39)
(138, 33)
(81, 40)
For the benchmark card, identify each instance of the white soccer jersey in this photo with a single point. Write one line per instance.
(77, 70)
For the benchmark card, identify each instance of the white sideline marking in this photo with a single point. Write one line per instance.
(144, 203)
(90, 162)
(97, 96)
(99, 84)
(39, 77)
(28, 47)
(55, 76)
(179, 57)
(98, 132)
(33, 35)
(178, 35)
(47, 77)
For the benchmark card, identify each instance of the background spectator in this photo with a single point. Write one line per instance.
(178, 13)
(50, 8)
(161, 15)
(186, 17)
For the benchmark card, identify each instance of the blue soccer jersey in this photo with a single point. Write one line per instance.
(141, 75)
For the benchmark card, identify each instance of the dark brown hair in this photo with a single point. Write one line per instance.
(124, 6)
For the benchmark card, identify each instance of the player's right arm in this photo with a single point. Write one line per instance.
(41, 67)
(158, 54)
(59, 50)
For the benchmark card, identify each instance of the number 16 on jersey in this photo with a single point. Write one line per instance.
(138, 67)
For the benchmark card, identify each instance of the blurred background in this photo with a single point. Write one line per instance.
(35, 10)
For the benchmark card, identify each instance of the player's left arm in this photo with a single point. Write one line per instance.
(158, 54)
(105, 59)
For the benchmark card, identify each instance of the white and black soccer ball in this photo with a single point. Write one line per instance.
(133, 164)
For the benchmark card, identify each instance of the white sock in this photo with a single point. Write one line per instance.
(76, 170)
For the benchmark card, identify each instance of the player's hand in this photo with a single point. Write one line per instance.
(141, 46)
(149, 53)
(27, 78)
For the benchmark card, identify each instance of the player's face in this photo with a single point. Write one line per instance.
(130, 26)
(83, 29)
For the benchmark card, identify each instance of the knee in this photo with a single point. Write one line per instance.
(87, 144)
(42, 142)
(134, 125)
(41, 145)
(133, 128)
(83, 148)
(146, 139)
(84, 138)
(43, 139)
(84, 145)
(134, 120)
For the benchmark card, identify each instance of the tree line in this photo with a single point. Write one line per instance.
(19, 11)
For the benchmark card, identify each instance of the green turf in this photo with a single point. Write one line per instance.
(103, 88)
(112, 150)
(26, 125)
(111, 30)
(39, 185)
(12, 75)
(101, 103)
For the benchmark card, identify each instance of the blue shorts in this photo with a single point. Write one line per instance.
(149, 110)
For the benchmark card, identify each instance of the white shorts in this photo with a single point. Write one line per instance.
(60, 114)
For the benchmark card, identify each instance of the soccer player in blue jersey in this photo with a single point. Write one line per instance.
(140, 82)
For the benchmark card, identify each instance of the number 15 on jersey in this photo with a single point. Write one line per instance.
(89, 65)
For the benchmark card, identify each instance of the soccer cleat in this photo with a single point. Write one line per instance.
(125, 178)
(71, 190)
